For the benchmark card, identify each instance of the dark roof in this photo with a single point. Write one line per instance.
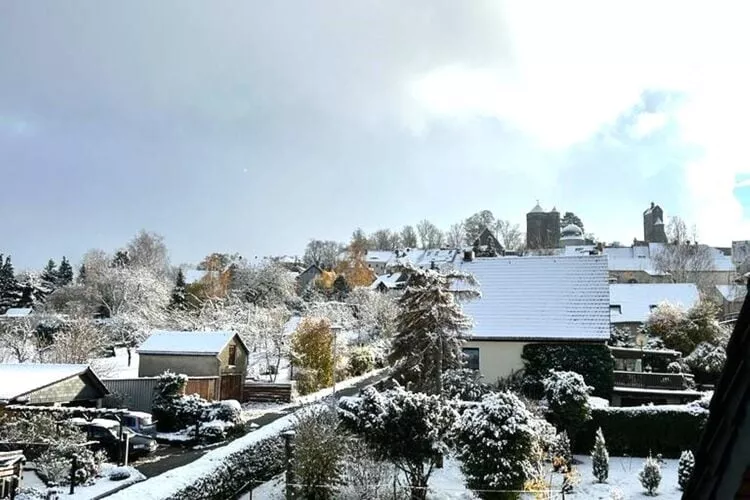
(727, 413)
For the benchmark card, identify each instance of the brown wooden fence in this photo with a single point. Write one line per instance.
(267, 392)
(205, 387)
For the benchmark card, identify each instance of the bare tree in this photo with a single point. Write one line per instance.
(456, 235)
(147, 250)
(385, 239)
(268, 324)
(409, 237)
(76, 342)
(324, 253)
(17, 339)
(683, 260)
(429, 234)
(510, 235)
(477, 223)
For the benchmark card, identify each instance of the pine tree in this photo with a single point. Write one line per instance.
(650, 475)
(121, 259)
(50, 274)
(179, 298)
(10, 291)
(430, 323)
(64, 273)
(685, 468)
(81, 280)
(600, 458)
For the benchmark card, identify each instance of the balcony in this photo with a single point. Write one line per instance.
(648, 380)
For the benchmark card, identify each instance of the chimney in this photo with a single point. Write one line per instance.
(652, 204)
(468, 255)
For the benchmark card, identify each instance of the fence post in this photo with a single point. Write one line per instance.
(288, 435)
(73, 468)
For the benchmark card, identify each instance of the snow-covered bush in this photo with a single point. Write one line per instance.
(600, 458)
(685, 330)
(562, 456)
(171, 409)
(650, 476)
(55, 463)
(228, 410)
(594, 362)
(119, 474)
(494, 441)
(411, 430)
(707, 360)
(463, 384)
(674, 367)
(361, 361)
(568, 400)
(366, 476)
(319, 450)
(306, 381)
(685, 468)
(704, 401)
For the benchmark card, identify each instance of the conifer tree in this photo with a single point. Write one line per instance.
(685, 468)
(340, 287)
(430, 324)
(600, 458)
(81, 280)
(10, 291)
(64, 273)
(179, 298)
(650, 476)
(50, 274)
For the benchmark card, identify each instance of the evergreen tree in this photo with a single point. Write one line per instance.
(10, 291)
(570, 218)
(179, 298)
(430, 323)
(685, 468)
(562, 455)
(600, 458)
(340, 287)
(121, 259)
(50, 274)
(81, 275)
(650, 476)
(64, 273)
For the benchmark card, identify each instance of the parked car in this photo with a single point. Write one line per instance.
(106, 432)
(140, 422)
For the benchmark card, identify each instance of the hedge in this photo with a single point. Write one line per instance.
(640, 430)
(593, 361)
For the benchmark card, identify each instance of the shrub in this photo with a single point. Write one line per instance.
(683, 331)
(685, 468)
(412, 430)
(650, 476)
(600, 458)
(707, 361)
(594, 362)
(55, 463)
(361, 361)
(228, 410)
(366, 476)
(463, 384)
(562, 456)
(119, 474)
(307, 381)
(312, 349)
(568, 400)
(319, 450)
(495, 442)
(169, 388)
(635, 431)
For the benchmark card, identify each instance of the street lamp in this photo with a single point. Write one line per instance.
(335, 330)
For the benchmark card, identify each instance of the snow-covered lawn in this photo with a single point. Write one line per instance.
(117, 366)
(101, 486)
(448, 483)
(445, 484)
(623, 480)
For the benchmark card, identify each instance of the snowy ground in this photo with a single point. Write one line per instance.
(117, 366)
(448, 483)
(445, 484)
(101, 486)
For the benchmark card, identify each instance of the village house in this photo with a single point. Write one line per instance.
(50, 384)
(197, 354)
(730, 297)
(308, 277)
(631, 304)
(533, 299)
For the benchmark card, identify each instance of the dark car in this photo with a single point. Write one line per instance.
(107, 432)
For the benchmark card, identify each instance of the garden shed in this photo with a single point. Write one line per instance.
(197, 354)
(42, 384)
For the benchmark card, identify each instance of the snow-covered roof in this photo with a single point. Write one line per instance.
(17, 312)
(196, 343)
(578, 249)
(379, 256)
(632, 303)
(540, 298)
(17, 379)
(390, 281)
(537, 209)
(732, 292)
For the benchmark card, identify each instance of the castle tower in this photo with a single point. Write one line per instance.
(653, 225)
(542, 228)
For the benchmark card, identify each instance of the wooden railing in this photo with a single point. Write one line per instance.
(647, 380)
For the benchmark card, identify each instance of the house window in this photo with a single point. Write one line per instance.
(472, 357)
(232, 355)
(615, 309)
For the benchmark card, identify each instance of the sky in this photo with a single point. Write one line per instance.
(252, 127)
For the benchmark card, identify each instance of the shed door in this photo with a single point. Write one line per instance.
(231, 387)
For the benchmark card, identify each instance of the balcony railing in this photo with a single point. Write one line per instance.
(648, 380)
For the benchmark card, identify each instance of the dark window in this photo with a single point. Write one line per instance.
(615, 308)
(472, 357)
(232, 355)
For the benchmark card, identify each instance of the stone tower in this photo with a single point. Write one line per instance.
(542, 228)
(653, 225)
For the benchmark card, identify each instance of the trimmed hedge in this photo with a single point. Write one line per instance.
(593, 361)
(640, 430)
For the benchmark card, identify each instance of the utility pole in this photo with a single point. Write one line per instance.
(288, 449)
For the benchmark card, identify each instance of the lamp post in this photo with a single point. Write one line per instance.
(335, 329)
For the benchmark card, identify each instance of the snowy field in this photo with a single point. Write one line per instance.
(448, 483)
